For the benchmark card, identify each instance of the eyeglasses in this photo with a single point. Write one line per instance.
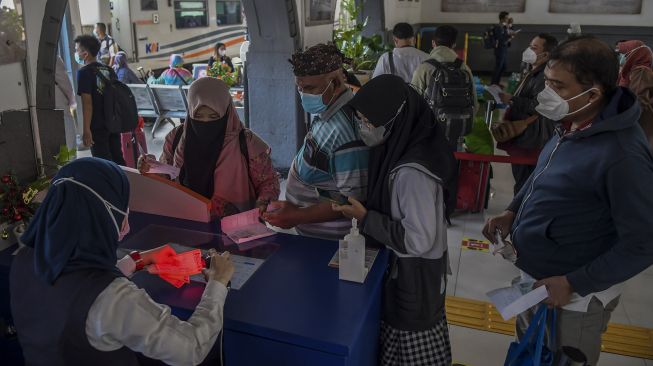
(388, 125)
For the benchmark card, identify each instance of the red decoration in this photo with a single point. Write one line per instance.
(13, 208)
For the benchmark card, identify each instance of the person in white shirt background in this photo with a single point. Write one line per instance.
(404, 59)
(108, 46)
(64, 99)
(72, 300)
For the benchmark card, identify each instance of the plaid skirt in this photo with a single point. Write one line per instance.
(429, 347)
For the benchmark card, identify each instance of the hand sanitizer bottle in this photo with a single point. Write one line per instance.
(352, 256)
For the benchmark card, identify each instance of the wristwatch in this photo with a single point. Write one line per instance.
(138, 260)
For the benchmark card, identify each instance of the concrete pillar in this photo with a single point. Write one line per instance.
(275, 112)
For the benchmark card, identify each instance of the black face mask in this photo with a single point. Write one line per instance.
(203, 145)
(208, 131)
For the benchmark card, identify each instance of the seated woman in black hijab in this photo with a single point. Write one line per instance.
(70, 298)
(409, 169)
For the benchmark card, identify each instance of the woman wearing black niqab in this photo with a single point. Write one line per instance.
(410, 168)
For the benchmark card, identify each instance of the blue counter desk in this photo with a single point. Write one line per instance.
(293, 311)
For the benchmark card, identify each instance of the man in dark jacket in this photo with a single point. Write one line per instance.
(529, 143)
(582, 224)
(502, 37)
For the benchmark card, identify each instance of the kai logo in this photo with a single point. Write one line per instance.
(152, 47)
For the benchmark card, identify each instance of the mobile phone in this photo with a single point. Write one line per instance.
(335, 197)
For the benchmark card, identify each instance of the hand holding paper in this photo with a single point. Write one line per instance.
(221, 268)
(157, 167)
(495, 91)
(559, 290)
(245, 226)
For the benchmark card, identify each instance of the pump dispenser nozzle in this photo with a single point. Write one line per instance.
(354, 226)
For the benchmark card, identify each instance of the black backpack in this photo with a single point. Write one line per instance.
(120, 110)
(489, 38)
(450, 96)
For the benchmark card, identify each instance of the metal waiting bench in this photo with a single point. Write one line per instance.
(171, 103)
(163, 102)
(144, 100)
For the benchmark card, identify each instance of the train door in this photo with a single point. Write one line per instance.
(122, 27)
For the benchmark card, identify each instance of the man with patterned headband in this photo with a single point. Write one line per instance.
(332, 158)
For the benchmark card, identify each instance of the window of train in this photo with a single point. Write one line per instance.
(228, 12)
(149, 5)
(191, 14)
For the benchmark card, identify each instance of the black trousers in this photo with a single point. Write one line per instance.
(107, 146)
(500, 59)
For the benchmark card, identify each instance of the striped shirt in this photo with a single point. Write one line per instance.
(332, 158)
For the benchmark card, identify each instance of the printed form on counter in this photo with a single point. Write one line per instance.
(245, 226)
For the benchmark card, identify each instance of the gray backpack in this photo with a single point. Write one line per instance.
(449, 93)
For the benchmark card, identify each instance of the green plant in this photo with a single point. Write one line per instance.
(224, 73)
(363, 52)
(11, 23)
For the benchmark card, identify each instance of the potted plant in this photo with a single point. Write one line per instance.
(18, 202)
(362, 52)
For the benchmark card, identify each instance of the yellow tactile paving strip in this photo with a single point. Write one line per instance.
(620, 339)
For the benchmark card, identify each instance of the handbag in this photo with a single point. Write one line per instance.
(508, 130)
(531, 350)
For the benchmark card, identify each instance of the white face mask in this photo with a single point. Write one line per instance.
(222, 52)
(553, 107)
(375, 136)
(107, 205)
(529, 56)
(125, 230)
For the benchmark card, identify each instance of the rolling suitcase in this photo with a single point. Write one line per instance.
(473, 178)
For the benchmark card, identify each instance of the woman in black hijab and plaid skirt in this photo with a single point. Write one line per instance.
(410, 169)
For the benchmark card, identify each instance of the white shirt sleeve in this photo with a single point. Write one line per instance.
(381, 67)
(126, 265)
(124, 315)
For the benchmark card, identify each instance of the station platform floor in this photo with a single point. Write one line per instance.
(476, 272)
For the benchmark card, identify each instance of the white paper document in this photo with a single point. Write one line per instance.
(494, 90)
(511, 301)
(245, 226)
(157, 167)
